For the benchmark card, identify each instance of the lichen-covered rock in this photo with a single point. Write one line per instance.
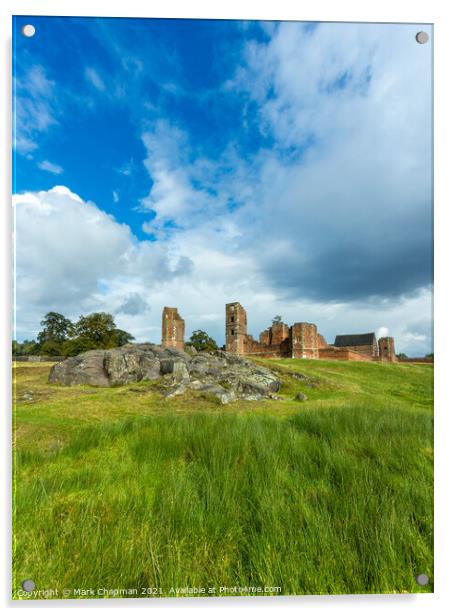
(84, 369)
(221, 374)
(130, 366)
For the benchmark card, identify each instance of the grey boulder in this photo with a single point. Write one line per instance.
(224, 375)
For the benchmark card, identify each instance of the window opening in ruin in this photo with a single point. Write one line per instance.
(232, 332)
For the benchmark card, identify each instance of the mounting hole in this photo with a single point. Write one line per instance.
(28, 585)
(422, 579)
(422, 37)
(28, 30)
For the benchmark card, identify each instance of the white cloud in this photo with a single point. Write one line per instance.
(382, 332)
(115, 196)
(46, 165)
(95, 79)
(345, 189)
(179, 192)
(329, 224)
(35, 110)
(73, 257)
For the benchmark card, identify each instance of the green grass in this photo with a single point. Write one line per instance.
(120, 488)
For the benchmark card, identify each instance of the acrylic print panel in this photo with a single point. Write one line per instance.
(223, 279)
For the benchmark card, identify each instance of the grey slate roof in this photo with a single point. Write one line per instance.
(354, 340)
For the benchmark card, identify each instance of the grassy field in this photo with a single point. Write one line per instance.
(122, 489)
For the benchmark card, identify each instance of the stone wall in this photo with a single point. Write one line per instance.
(345, 354)
(236, 334)
(321, 342)
(386, 349)
(173, 329)
(304, 340)
(368, 350)
(37, 358)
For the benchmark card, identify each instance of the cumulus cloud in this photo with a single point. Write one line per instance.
(345, 193)
(73, 257)
(181, 191)
(329, 221)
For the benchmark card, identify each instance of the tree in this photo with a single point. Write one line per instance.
(76, 346)
(202, 341)
(27, 347)
(402, 356)
(100, 330)
(429, 356)
(51, 347)
(121, 337)
(277, 319)
(56, 328)
(97, 327)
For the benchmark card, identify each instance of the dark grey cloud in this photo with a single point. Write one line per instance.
(356, 268)
(134, 304)
(352, 219)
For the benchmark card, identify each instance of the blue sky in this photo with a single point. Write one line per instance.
(195, 162)
(109, 79)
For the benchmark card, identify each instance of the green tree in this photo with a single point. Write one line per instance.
(99, 328)
(56, 328)
(429, 356)
(121, 337)
(27, 347)
(402, 356)
(277, 319)
(202, 341)
(76, 346)
(51, 347)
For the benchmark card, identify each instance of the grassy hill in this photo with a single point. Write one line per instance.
(123, 489)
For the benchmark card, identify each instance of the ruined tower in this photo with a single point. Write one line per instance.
(304, 340)
(387, 349)
(173, 329)
(236, 328)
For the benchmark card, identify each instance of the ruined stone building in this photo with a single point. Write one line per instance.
(387, 349)
(173, 329)
(300, 340)
(279, 340)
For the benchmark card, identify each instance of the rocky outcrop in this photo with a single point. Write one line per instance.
(224, 375)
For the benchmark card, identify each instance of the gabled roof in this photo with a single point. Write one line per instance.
(354, 339)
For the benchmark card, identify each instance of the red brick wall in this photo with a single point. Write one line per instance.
(370, 350)
(342, 353)
(173, 329)
(387, 349)
(264, 337)
(304, 340)
(321, 342)
(236, 328)
(278, 333)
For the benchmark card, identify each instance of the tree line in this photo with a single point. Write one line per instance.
(60, 337)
